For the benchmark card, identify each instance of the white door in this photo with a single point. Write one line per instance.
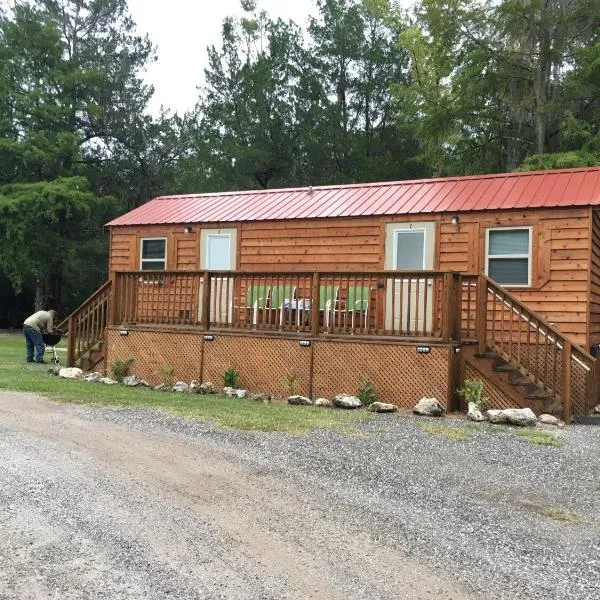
(409, 299)
(218, 254)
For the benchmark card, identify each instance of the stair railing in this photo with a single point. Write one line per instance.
(533, 346)
(86, 325)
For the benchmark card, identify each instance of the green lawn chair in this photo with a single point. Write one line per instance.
(257, 298)
(328, 297)
(356, 304)
(282, 297)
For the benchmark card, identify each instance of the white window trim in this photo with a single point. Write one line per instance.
(209, 236)
(528, 256)
(155, 260)
(397, 230)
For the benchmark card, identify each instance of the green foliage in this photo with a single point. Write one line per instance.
(168, 374)
(560, 160)
(473, 391)
(290, 384)
(230, 377)
(121, 368)
(366, 393)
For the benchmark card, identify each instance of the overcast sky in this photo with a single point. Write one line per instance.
(182, 29)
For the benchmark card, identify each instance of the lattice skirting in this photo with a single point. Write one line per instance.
(399, 374)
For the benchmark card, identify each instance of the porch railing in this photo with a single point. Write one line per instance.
(85, 327)
(414, 304)
(498, 321)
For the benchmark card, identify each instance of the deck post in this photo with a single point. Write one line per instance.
(481, 315)
(71, 343)
(449, 308)
(206, 300)
(315, 309)
(566, 381)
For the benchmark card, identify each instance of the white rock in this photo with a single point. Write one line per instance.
(474, 414)
(551, 420)
(299, 400)
(229, 392)
(523, 417)
(323, 402)
(346, 401)
(132, 381)
(108, 381)
(93, 377)
(596, 410)
(382, 407)
(241, 393)
(70, 373)
(163, 387)
(264, 398)
(429, 407)
(206, 388)
(181, 387)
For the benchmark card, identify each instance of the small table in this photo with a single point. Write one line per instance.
(300, 309)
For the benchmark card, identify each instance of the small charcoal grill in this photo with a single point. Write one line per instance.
(51, 339)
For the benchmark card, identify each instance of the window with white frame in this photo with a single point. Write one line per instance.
(153, 255)
(508, 255)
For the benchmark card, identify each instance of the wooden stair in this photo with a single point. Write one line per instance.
(96, 355)
(506, 377)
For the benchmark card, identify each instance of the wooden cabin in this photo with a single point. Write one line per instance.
(501, 272)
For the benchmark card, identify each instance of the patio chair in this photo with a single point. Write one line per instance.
(257, 298)
(356, 303)
(328, 296)
(282, 297)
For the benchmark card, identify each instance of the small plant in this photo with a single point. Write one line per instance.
(472, 391)
(290, 383)
(230, 377)
(366, 393)
(168, 374)
(120, 369)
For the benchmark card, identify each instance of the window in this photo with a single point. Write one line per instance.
(409, 251)
(509, 255)
(154, 254)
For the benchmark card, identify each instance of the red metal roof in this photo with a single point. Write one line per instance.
(534, 189)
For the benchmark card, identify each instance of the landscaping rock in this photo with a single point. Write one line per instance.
(429, 407)
(54, 371)
(265, 398)
(108, 381)
(551, 420)
(70, 373)
(523, 417)
(163, 387)
(299, 400)
(93, 377)
(132, 381)
(596, 410)
(229, 392)
(345, 401)
(241, 393)
(323, 402)
(207, 388)
(181, 387)
(474, 414)
(382, 407)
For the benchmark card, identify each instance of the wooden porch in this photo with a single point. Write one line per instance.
(518, 353)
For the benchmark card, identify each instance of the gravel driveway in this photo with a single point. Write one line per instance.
(117, 503)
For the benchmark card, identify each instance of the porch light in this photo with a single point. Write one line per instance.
(187, 229)
(455, 219)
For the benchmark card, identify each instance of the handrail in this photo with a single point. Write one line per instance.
(87, 324)
(383, 272)
(539, 317)
(65, 321)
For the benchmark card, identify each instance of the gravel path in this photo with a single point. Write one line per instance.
(116, 503)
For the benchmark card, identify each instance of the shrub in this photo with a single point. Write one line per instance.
(231, 377)
(290, 384)
(366, 393)
(168, 374)
(472, 391)
(120, 369)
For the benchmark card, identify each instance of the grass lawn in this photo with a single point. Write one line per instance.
(17, 374)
